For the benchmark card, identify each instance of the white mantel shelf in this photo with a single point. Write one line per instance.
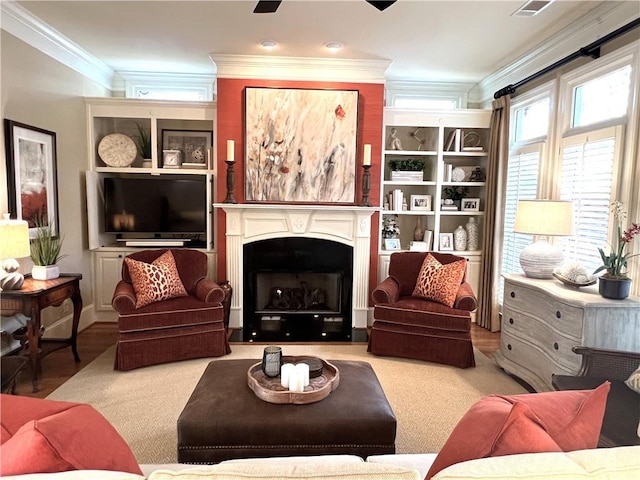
(346, 224)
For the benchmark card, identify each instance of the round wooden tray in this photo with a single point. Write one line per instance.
(270, 390)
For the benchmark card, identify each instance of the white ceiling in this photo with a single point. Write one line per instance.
(443, 41)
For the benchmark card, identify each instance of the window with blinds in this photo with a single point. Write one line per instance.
(587, 175)
(522, 184)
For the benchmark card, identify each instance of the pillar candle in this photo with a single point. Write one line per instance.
(230, 150)
(303, 371)
(285, 373)
(367, 154)
(296, 381)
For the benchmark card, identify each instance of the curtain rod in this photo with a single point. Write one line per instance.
(592, 50)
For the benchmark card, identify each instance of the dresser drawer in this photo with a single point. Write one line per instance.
(532, 359)
(564, 317)
(555, 344)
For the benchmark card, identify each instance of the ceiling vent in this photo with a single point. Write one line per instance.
(531, 8)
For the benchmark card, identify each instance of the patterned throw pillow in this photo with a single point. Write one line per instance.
(439, 283)
(633, 382)
(155, 281)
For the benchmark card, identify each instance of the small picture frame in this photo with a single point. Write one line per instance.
(470, 205)
(392, 244)
(445, 242)
(420, 202)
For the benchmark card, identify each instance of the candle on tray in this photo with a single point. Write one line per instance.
(303, 371)
(296, 381)
(285, 373)
(367, 155)
(230, 151)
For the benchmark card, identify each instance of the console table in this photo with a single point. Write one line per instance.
(543, 319)
(31, 299)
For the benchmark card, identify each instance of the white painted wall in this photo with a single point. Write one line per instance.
(39, 91)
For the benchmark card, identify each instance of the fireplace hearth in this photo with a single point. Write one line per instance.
(297, 289)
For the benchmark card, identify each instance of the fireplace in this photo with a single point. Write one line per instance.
(346, 228)
(297, 289)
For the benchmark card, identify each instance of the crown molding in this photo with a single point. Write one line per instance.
(127, 80)
(300, 68)
(25, 26)
(600, 21)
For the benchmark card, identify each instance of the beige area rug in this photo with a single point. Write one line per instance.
(144, 404)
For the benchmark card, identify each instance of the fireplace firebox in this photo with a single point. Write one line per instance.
(297, 289)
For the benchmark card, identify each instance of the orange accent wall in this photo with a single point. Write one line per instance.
(230, 112)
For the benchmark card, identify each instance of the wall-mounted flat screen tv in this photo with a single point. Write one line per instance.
(155, 205)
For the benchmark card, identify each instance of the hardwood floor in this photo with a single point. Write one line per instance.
(59, 366)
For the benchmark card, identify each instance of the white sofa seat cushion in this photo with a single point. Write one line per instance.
(77, 475)
(290, 471)
(414, 461)
(620, 463)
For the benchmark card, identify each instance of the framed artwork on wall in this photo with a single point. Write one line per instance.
(300, 145)
(32, 175)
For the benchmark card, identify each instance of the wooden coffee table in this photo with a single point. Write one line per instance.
(224, 419)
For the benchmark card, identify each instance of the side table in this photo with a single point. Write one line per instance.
(31, 299)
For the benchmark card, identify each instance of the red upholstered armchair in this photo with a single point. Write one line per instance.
(416, 327)
(190, 325)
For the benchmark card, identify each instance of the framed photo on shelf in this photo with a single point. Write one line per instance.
(470, 205)
(420, 202)
(392, 244)
(31, 175)
(195, 145)
(445, 242)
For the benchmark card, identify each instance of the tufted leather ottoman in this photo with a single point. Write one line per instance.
(224, 419)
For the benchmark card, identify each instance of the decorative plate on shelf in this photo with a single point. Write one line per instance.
(117, 150)
(571, 283)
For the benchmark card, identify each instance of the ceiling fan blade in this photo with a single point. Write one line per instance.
(381, 5)
(265, 6)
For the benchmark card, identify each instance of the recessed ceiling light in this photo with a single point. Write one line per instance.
(333, 46)
(269, 44)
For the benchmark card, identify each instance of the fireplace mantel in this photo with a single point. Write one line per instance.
(246, 223)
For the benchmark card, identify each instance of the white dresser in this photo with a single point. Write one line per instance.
(543, 319)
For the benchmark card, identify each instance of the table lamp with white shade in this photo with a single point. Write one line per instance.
(14, 243)
(543, 218)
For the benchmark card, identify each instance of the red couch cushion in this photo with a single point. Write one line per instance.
(46, 436)
(530, 423)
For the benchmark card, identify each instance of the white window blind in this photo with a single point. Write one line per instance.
(522, 184)
(588, 164)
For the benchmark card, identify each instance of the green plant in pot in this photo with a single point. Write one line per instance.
(46, 250)
(455, 194)
(406, 164)
(143, 141)
(615, 283)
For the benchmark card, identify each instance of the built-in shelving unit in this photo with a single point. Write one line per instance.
(118, 115)
(454, 148)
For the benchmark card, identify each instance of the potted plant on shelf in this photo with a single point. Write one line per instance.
(455, 193)
(407, 169)
(45, 251)
(615, 283)
(143, 142)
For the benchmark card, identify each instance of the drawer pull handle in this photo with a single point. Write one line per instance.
(508, 346)
(558, 314)
(513, 294)
(511, 321)
(555, 345)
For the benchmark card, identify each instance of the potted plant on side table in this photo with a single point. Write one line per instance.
(615, 283)
(45, 251)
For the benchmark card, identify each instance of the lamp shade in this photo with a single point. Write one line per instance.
(14, 238)
(544, 217)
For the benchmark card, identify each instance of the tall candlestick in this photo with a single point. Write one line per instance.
(230, 150)
(367, 155)
(366, 186)
(231, 181)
